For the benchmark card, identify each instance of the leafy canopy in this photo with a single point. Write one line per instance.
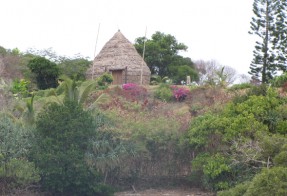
(46, 72)
(161, 55)
(63, 132)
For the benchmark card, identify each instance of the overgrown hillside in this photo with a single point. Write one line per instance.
(86, 137)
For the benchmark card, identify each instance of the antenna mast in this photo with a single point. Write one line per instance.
(96, 50)
(143, 56)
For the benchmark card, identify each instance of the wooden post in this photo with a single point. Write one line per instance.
(126, 75)
(95, 50)
(143, 57)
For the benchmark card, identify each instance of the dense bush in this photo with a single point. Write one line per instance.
(46, 72)
(249, 133)
(241, 86)
(216, 171)
(20, 88)
(74, 68)
(19, 173)
(179, 93)
(104, 80)
(269, 182)
(164, 92)
(167, 93)
(63, 132)
(238, 190)
(280, 81)
(16, 142)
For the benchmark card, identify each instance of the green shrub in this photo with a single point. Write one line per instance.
(238, 190)
(279, 81)
(16, 142)
(105, 79)
(75, 68)
(281, 159)
(63, 132)
(269, 182)
(253, 91)
(46, 72)
(20, 88)
(20, 173)
(272, 146)
(240, 86)
(258, 90)
(215, 170)
(164, 92)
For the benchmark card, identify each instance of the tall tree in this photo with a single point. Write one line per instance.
(267, 24)
(161, 55)
(280, 39)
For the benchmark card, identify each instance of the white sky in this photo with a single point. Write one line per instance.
(212, 29)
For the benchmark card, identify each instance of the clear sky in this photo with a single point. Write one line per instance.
(212, 29)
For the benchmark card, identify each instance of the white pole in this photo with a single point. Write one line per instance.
(96, 50)
(143, 56)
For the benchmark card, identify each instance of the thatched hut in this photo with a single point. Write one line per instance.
(120, 58)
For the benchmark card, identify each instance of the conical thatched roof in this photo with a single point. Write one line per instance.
(120, 54)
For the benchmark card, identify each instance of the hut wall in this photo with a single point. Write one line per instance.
(136, 79)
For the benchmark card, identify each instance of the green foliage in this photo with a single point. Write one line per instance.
(3, 51)
(107, 153)
(105, 80)
(281, 159)
(180, 72)
(15, 139)
(20, 173)
(216, 166)
(205, 131)
(16, 142)
(271, 146)
(75, 68)
(215, 170)
(156, 79)
(241, 86)
(15, 52)
(161, 55)
(279, 81)
(263, 108)
(249, 134)
(269, 53)
(238, 190)
(46, 72)
(269, 182)
(164, 92)
(20, 88)
(212, 132)
(75, 91)
(258, 90)
(63, 132)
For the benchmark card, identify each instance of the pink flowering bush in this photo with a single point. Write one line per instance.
(129, 86)
(179, 93)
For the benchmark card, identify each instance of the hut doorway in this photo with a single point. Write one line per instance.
(117, 77)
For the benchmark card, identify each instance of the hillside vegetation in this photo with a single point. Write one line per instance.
(86, 137)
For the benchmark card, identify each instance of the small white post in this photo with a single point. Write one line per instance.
(188, 82)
